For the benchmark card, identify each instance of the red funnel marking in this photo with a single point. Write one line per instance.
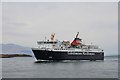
(76, 42)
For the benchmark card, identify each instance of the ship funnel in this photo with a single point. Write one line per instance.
(77, 41)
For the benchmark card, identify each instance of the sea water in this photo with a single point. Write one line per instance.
(26, 67)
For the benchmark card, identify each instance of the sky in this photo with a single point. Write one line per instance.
(25, 23)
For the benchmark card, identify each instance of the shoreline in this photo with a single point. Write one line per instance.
(14, 55)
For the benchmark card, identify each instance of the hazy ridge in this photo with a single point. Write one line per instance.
(14, 48)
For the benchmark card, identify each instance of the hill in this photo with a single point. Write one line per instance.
(14, 48)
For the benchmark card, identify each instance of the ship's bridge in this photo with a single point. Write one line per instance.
(48, 44)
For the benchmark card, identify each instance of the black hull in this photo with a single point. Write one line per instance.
(57, 55)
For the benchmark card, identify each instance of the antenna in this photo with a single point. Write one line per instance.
(45, 38)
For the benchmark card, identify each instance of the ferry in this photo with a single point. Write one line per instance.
(56, 50)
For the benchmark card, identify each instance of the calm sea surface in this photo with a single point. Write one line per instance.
(25, 67)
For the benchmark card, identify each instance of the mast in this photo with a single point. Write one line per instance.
(52, 37)
(77, 35)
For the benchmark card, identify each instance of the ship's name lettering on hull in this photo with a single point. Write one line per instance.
(75, 53)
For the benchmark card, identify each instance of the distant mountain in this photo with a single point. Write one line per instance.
(14, 48)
